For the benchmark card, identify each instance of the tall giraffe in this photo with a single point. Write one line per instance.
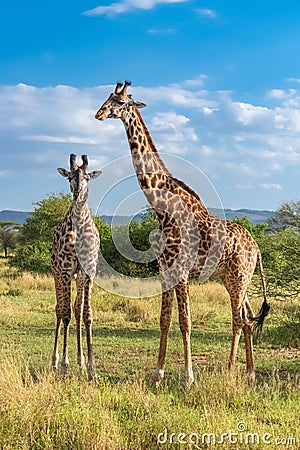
(193, 241)
(75, 253)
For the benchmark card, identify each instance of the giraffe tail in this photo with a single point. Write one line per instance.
(265, 307)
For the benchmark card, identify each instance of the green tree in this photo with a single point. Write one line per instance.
(104, 232)
(123, 247)
(9, 232)
(280, 251)
(287, 216)
(281, 259)
(256, 230)
(33, 252)
(44, 218)
(33, 256)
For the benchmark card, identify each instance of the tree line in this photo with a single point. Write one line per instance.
(30, 244)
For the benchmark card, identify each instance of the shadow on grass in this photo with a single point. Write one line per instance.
(285, 335)
(129, 353)
(205, 337)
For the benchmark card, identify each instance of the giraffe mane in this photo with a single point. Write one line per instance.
(188, 189)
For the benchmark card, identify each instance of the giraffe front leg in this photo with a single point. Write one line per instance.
(78, 310)
(88, 322)
(59, 303)
(55, 355)
(65, 357)
(66, 318)
(165, 321)
(182, 294)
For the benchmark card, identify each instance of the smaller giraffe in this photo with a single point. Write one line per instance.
(74, 254)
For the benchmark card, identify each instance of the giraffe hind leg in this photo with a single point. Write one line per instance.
(238, 311)
(236, 334)
(88, 322)
(182, 294)
(248, 337)
(242, 316)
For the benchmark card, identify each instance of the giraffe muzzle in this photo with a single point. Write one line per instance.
(99, 115)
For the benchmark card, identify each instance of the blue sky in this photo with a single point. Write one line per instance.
(221, 81)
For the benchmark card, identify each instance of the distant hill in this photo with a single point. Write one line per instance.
(255, 216)
(14, 216)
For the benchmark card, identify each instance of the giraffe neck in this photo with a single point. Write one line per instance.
(80, 211)
(145, 157)
(151, 170)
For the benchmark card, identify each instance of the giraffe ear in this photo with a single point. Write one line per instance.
(137, 104)
(95, 174)
(63, 172)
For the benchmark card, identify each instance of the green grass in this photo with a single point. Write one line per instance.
(121, 409)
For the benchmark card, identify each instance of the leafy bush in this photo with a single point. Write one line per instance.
(33, 257)
(34, 251)
(281, 260)
(124, 248)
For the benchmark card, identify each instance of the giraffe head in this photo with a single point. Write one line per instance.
(118, 104)
(79, 176)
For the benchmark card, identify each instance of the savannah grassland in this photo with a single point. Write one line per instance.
(121, 409)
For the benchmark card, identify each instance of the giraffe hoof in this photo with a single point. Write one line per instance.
(157, 383)
(91, 377)
(251, 378)
(188, 378)
(158, 377)
(188, 382)
(55, 359)
(64, 370)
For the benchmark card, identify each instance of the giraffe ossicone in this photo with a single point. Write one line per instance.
(196, 241)
(75, 253)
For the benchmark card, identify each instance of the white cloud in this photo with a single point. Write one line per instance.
(197, 81)
(173, 132)
(60, 114)
(248, 114)
(272, 186)
(161, 31)
(127, 5)
(180, 95)
(237, 143)
(67, 139)
(244, 187)
(207, 150)
(207, 12)
(281, 93)
(4, 173)
(293, 80)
